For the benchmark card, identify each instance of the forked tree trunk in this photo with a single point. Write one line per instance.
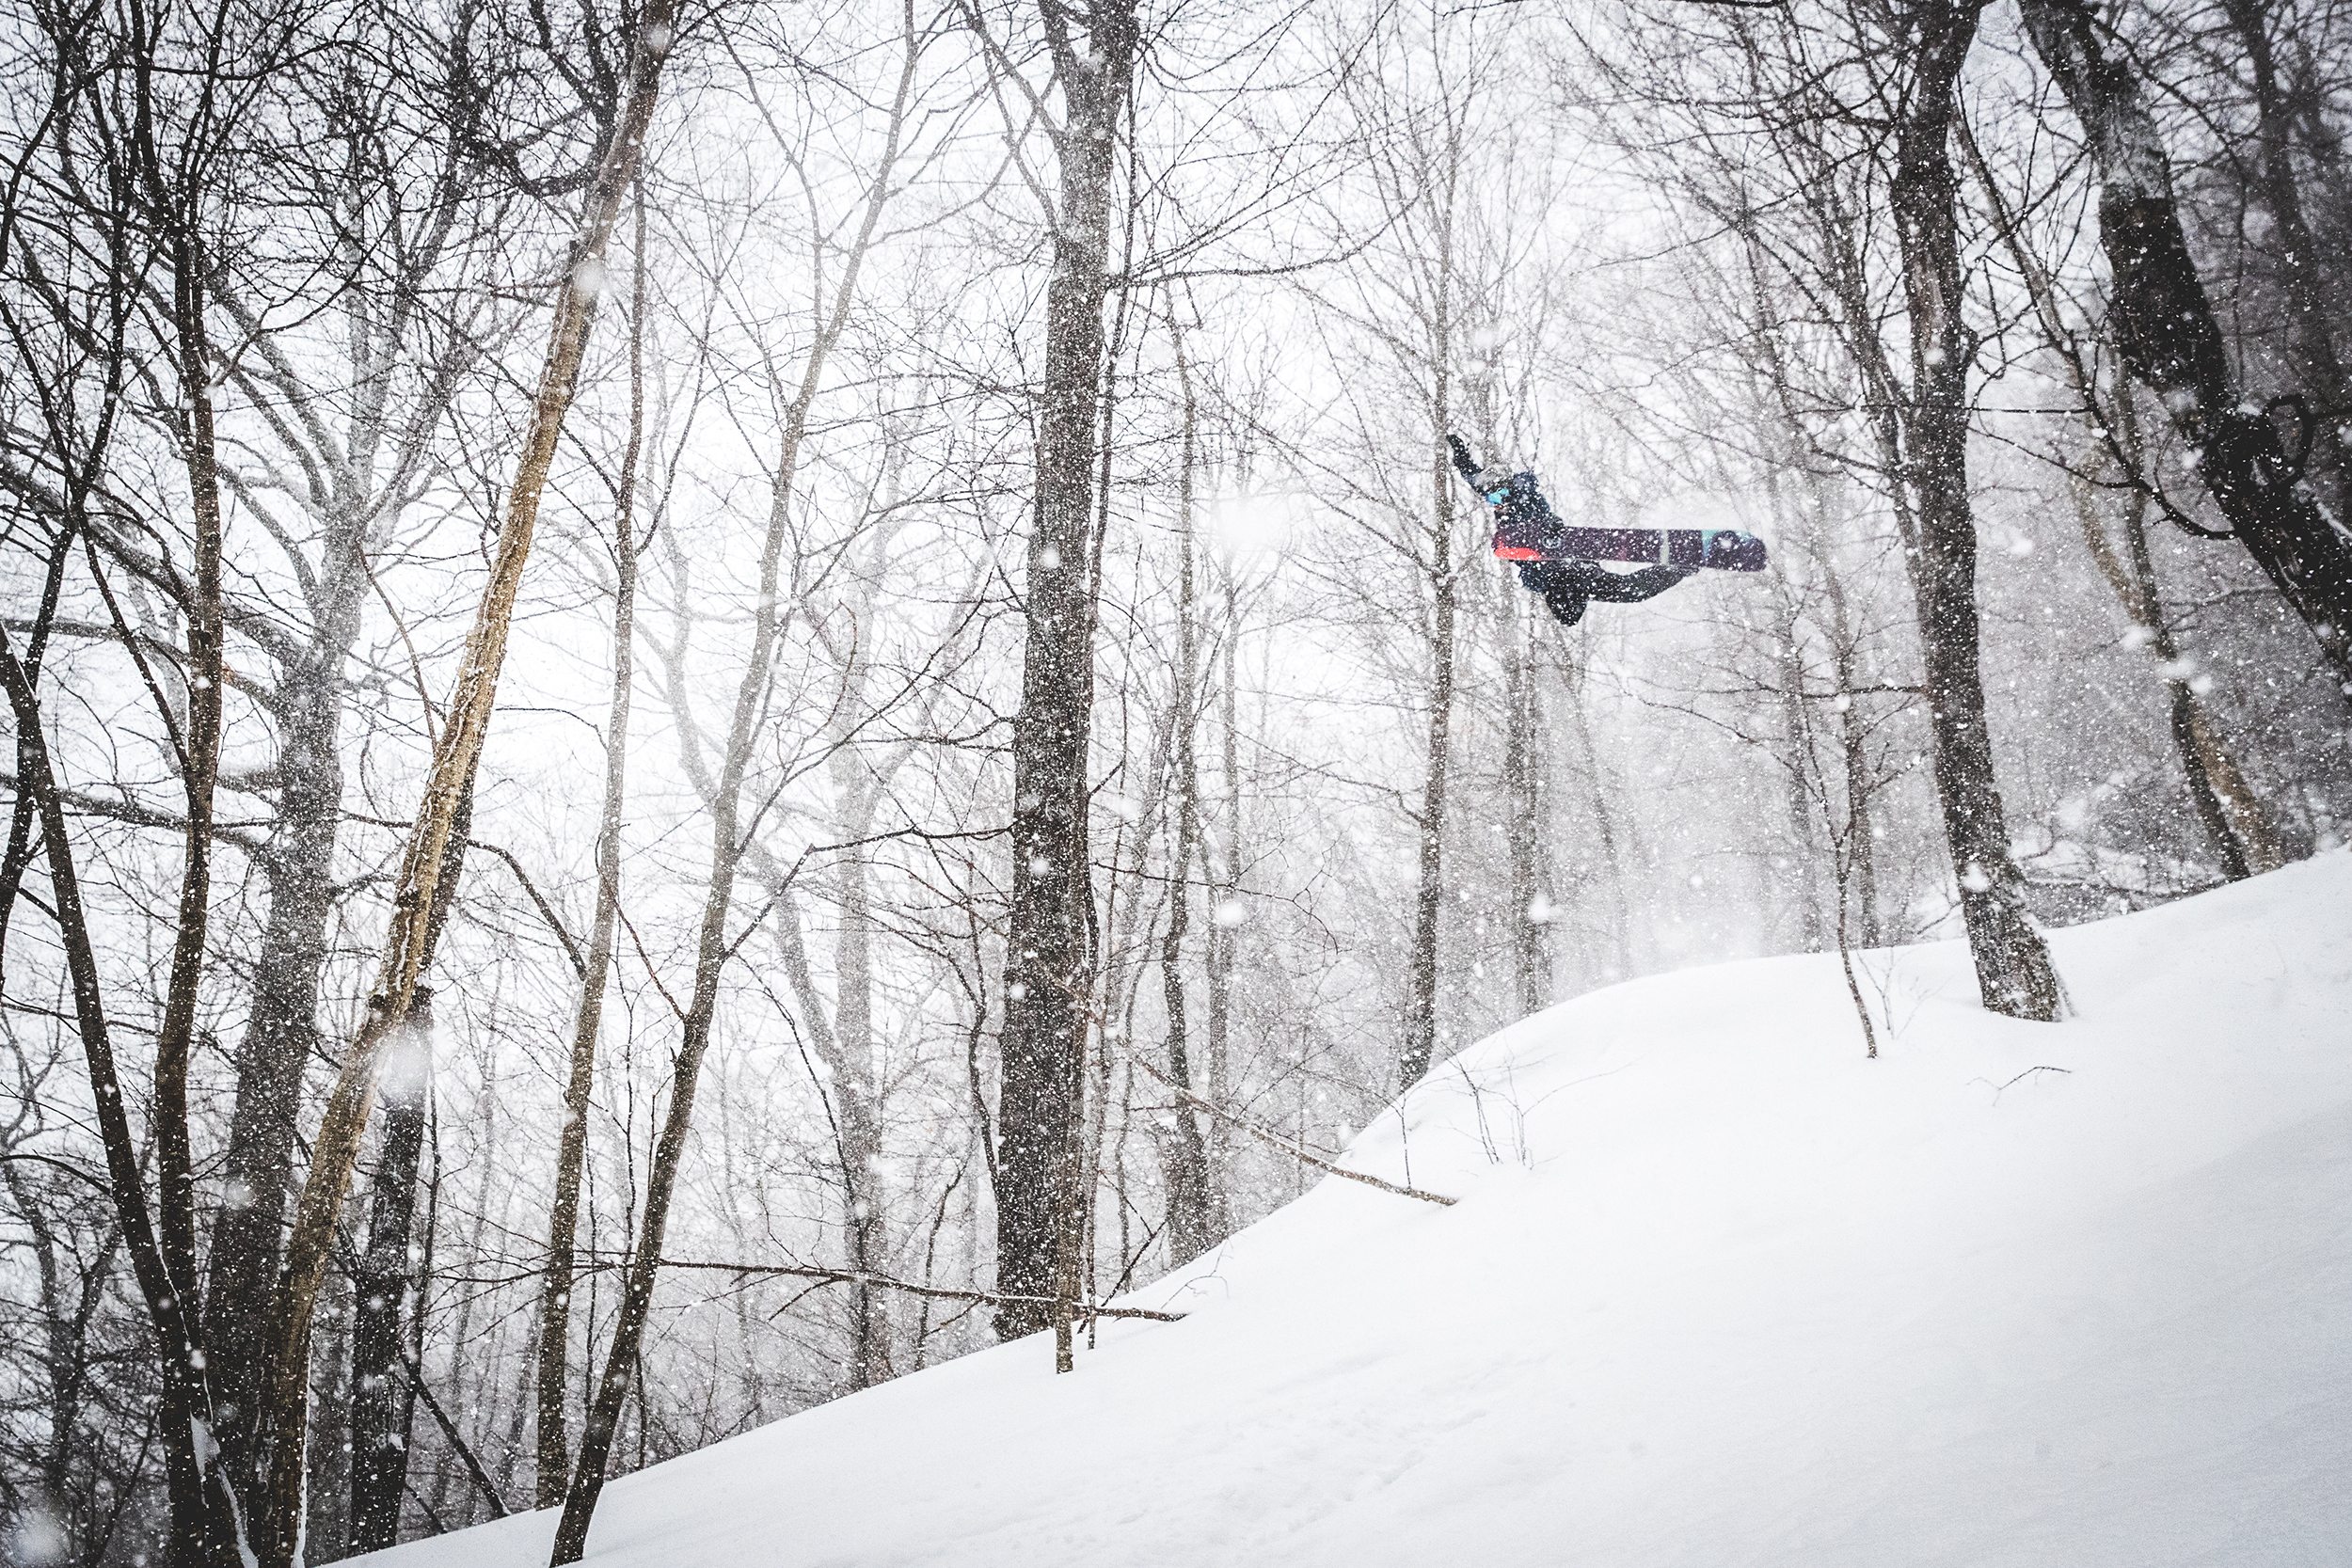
(280, 1038)
(1042, 1042)
(2163, 327)
(2014, 974)
(409, 943)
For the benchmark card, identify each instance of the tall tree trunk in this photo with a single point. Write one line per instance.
(161, 1240)
(407, 949)
(2164, 329)
(274, 1053)
(387, 1285)
(1189, 1234)
(2014, 974)
(865, 1201)
(1041, 1041)
(552, 1376)
(1419, 1046)
(1523, 772)
(1223, 874)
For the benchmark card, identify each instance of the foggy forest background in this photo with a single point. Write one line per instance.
(787, 997)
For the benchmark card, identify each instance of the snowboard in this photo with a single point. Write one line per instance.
(1722, 550)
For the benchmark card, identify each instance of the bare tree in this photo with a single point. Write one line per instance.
(1039, 1117)
(408, 946)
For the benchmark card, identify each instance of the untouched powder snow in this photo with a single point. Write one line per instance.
(1718, 1292)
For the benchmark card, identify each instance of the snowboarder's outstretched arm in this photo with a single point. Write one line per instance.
(1462, 458)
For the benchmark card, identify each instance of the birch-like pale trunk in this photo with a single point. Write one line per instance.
(1417, 1047)
(408, 948)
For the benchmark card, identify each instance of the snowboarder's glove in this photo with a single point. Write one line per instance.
(1462, 458)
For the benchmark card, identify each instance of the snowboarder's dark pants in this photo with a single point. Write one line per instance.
(1568, 585)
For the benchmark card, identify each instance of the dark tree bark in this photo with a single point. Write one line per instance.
(2233, 818)
(1042, 1042)
(352, 494)
(2163, 327)
(383, 1293)
(2014, 974)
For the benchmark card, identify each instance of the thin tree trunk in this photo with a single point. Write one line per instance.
(1796, 726)
(407, 945)
(1859, 888)
(2014, 974)
(2163, 327)
(1187, 1174)
(1523, 789)
(203, 1532)
(2234, 821)
(1420, 1043)
(1225, 909)
(552, 1472)
(204, 1527)
(864, 1199)
(1039, 1091)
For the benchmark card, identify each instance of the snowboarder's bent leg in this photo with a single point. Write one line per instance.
(1631, 587)
(1563, 592)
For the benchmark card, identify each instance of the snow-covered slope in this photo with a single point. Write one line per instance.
(1718, 1292)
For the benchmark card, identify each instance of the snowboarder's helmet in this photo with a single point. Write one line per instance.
(1494, 484)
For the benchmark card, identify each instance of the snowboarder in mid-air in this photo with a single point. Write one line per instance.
(1563, 563)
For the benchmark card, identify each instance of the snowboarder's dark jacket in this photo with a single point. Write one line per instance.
(1528, 533)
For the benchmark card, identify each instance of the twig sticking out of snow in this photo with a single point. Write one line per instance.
(1268, 1135)
(1996, 1089)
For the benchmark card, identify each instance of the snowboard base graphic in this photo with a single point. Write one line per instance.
(1720, 549)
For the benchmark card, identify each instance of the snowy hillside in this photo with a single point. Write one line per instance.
(1718, 1292)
